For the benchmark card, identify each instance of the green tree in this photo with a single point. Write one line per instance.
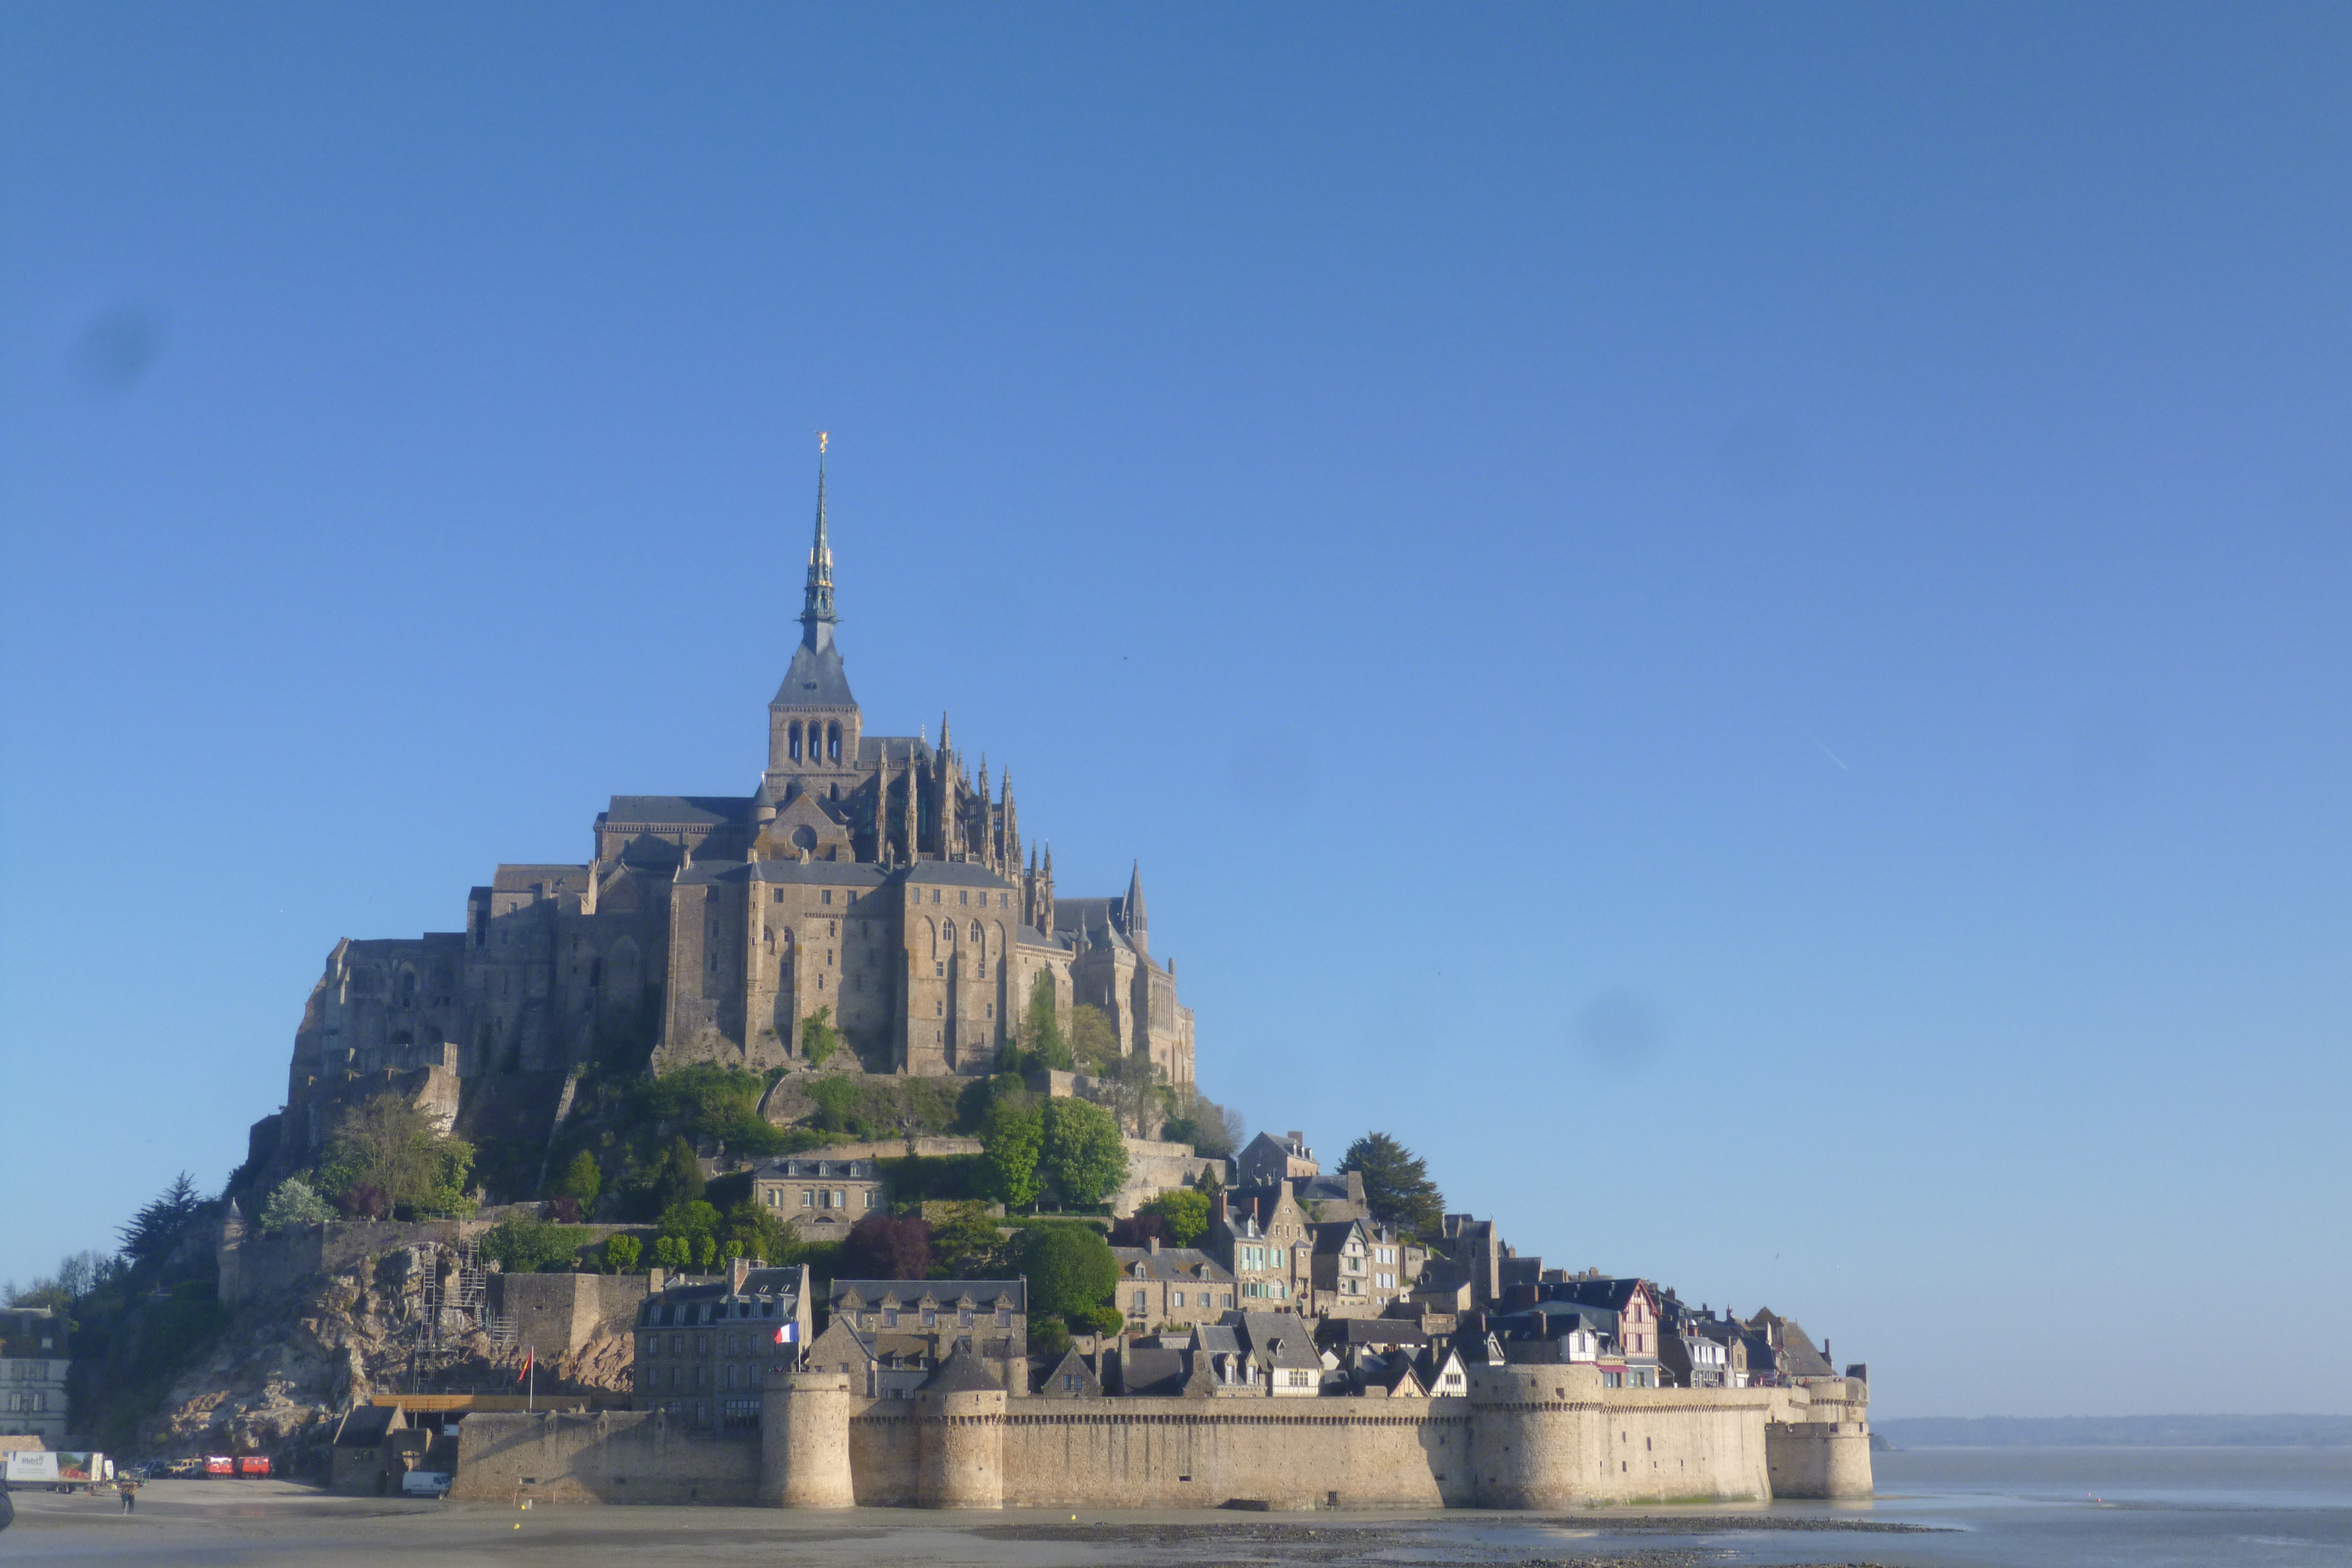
(1186, 1210)
(582, 1179)
(156, 1232)
(621, 1254)
(1213, 1131)
(1082, 1154)
(964, 1241)
(705, 1251)
(1134, 1084)
(693, 1219)
(1094, 1039)
(819, 1039)
(758, 1231)
(670, 1252)
(677, 1179)
(391, 1145)
(294, 1202)
(1397, 1188)
(1010, 1142)
(1042, 1041)
(1069, 1269)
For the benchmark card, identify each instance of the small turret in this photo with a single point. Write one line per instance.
(1138, 927)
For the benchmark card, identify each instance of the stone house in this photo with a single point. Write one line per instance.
(1069, 1378)
(1442, 1372)
(703, 1343)
(922, 1323)
(1635, 1303)
(35, 1355)
(1359, 1267)
(1171, 1287)
(1779, 1353)
(874, 1371)
(1267, 1159)
(1263, 1241)
(821, 1198)
(1282, 1349)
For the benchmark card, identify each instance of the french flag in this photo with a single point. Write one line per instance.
(788, 1333)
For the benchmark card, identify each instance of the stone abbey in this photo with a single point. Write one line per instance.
(867, 876)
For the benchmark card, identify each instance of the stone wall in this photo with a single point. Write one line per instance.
(558, 1313)
(612, 1456)
(1526, 1437)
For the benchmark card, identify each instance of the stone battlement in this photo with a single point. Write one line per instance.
(1526, 1437)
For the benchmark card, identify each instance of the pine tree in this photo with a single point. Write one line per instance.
(1397, 1188)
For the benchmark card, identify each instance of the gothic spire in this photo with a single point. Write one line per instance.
(816, 601)
(1138, 931)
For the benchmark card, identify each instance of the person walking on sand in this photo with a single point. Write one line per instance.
(130, 1490)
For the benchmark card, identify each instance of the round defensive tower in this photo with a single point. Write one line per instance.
(959, 1453)
(804, 1439)
(1528, 1438)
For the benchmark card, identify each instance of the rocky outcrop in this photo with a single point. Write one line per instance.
(294, 1359)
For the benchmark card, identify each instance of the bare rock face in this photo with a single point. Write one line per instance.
(292, 1363)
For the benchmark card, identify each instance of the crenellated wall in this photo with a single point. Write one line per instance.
(1526, 1437)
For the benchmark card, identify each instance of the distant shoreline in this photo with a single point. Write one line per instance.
(2116, 1432)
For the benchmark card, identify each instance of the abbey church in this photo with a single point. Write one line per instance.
(870, 876)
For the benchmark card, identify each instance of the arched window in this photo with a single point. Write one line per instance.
(793, 740)
(832, 743)
(975, 930)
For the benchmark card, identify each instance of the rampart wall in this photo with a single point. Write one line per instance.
(610, 1455)
(1526, 1437)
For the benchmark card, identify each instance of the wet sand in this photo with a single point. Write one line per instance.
(279, 1522)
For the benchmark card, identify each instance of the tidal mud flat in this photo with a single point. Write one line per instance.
(280, 1523)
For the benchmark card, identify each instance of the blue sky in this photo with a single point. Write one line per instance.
(1732, 620)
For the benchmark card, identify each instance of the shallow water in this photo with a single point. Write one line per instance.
(1990, 1508)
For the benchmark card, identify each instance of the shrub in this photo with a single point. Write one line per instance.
(582, 1181)
(528, 1246)
(294, 1204)
(819, 1039)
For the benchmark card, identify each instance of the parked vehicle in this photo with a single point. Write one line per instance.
(425, 1483)
(251, 1465)
(219, 1465)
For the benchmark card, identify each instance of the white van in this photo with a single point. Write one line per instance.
(425, 1483)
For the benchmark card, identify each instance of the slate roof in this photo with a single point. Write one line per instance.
(900, 749)
(1171, 1263)
(791, 1167)
(522, 878)
(1014, 1293)
(814, 680)
(1613, 1294)
(1333, 1332)
(1550, 1320)
(715, 1299)
(1216, 1339)
(961, 1373)
(1278, 1339)
(678, 810)
(1049, 1384)
(1154, 1372)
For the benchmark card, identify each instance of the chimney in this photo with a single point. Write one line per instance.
(738, 1271)
(652, 1281)
(1217, 1210)
(1152, 1242)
